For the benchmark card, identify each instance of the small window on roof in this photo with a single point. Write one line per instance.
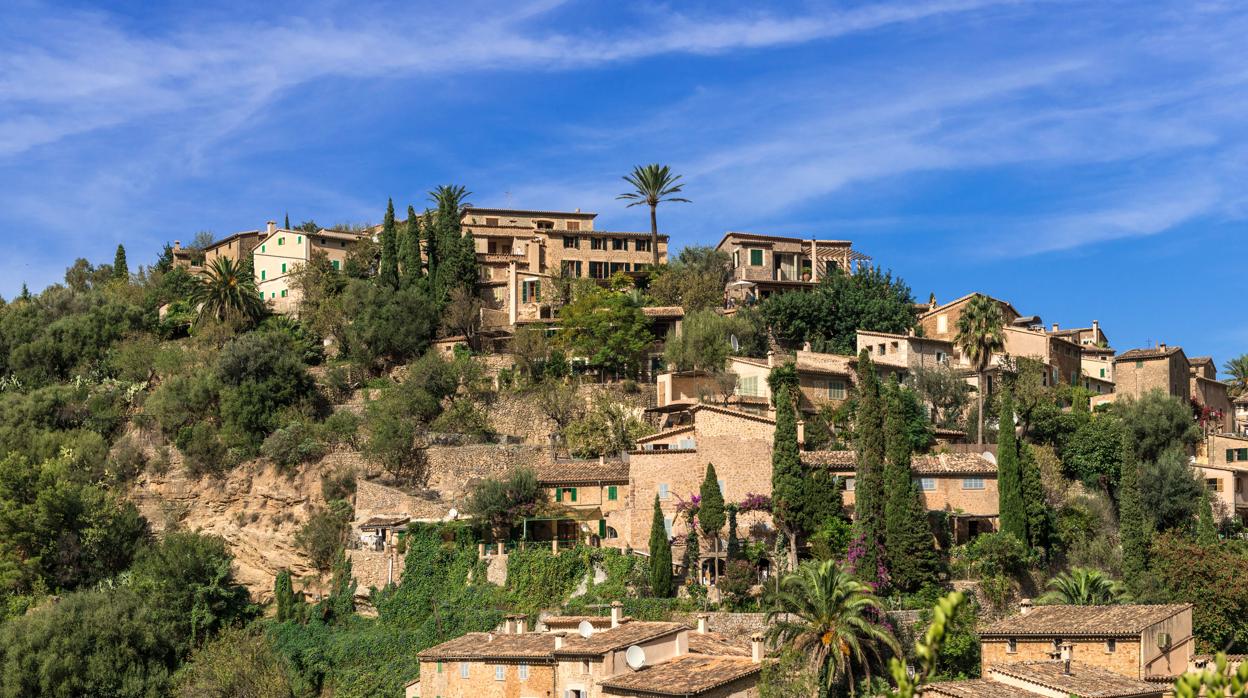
(1111, 645)
(1011, 646)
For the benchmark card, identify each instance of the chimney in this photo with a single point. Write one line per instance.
(616, 609)
(801, 431)
(505, 628)
(1161, 346)
(270, 227)
(702, 622)
(1068, 654)
(1096, 327)
(1024, 607)
(602, 460)
(1055, 327)
(756, 647)
(559, 635)
(489, 637)
(771, 358)
(522, 624)
(177, 245)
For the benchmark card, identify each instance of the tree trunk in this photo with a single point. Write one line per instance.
(979, 396)
(654, 236)
(792, 551)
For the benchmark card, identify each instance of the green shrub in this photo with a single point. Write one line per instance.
(342, 427)
(462, 417)
(323, 535)
(202, 450)
(338, 484)
(293, 444)
(126, 462)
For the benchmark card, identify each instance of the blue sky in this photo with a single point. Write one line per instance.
(1084, 160)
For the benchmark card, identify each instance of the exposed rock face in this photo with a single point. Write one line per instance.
(256, 509)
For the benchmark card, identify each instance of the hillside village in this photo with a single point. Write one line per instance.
(494, 452)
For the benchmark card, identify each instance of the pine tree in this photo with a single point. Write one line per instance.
(693, 552)
(1009, 476)
(869, 497)
(912, 560)
(711, 508)
(1206, 530)
(1039, 518)
(286, 225)
(734, 543)
(660, 555)
(388, 267)
(121, 270)
(1131, 515)
(409, 249)
(786, 472)
(25, 294)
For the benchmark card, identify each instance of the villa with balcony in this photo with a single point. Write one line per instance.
(767, 264)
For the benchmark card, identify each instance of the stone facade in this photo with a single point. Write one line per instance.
(1124, 659)
(737, 626)
(375, 569)
(1164, 368)
(941, 321)
(444, 679)
(776, 264)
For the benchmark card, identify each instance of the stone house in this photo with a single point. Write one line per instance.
(1048, 679)
(279, 252)
(1222, 461)
(767, 264)
(1241, 413)
(624, 657)
(1211, 395)
(908, 351)
(1097, 363)
(941, 321)
(962, 486)
(1141, 642)
(521, 253)
(595, 495)
(236, 247)
(1163, 368)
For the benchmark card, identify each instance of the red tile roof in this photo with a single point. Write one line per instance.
(616, 638)
(1124, 620)
(485, 646)
(687, 675)
(933, 464)
(1083, 681)
(582, 472)
(1149, 353)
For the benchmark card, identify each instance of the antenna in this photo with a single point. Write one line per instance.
(636, 657)
(736, 343)
(586, 629)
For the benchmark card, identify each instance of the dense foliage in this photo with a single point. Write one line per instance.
(830, 316)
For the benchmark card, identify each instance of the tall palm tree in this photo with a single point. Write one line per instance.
(227, 290)
(1083, 587)
(1237, 372)
(822, 611)
(451, 198)
(979, 337)
(652, 185)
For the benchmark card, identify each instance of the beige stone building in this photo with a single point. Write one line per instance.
(767, 264)
(1047, 679)
(1164, 368)
(1241, 413)
(594, 495)
(279, 252)
(236, 247)
(908, 351)
(521, 253)
(1222, 461)
(941, 321)
(1211, 394)
(622, 657)
(1147, 643)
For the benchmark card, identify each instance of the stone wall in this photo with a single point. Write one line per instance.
(735, 625)
(373, 569)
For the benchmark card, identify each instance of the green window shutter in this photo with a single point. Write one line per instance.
(602, 528)
(263, 273)
(262, 248)
(335, 265)
(299, 239)
(558, 494)
(283, 267)
(281, 241)
(283, 293)
(612, 493)
(1230, 455)
(573, 491)
(756, 258)
(524, 292)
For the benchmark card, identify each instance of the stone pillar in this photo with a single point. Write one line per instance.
(480, 550)
(501, 549)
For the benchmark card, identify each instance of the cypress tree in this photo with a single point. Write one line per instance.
(1206, 530)
(1131, 515)
(693, 552)
(869, 497)
(1009, 476)
(121, 270)
(912, 559)
(1039, 525)
(286, 225)
(433, 251)
(284, 596)
(711, 509)
(388, 268)
(786, 472)
(660, 555)
(734, 543)
(409, 249)
(340, 603)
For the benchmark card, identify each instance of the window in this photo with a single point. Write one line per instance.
(263, 273)
(463, 670)
(942, 324)
(927, 484)
(1102, 373)
(522, 672)
(545, 225)
(940, 357)
(1214, 484)
(642, 245)
(1230, 452)
(1111, 645)
(1241, 454)
(1139, 364)
(602, 528)
(574, 225)
(571, 242)
(262, 248)
(613, 493)
(559, 493)
(336, 265)
(756, 258)
(597, 243)
(500, 672)
(491, 221)
(531, 291)
(1163, 641)
(880, 349)
(748, 386)
(283, 267)
(1011, 646)
(597, 270)
(571, 268)
(836, 390)
(283, 293)
(585, 666)
(663, 490)
(619, 244)
(619, 266)
(612, 534)
(849, 484)
(972, 483)
(832, 267)
(667, 525)
(299, 239)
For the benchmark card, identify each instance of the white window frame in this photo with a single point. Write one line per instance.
(664, 491)
(973, 483)
(500, 672)
(927, 484)
(850, 484)
(837, 390)
(523, 672)
(463, 670)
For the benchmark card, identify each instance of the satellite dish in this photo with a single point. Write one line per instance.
(585, 629)
(636, 657)
(736, 344)
(990, 457)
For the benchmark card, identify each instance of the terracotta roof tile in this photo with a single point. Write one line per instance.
(1122, 620)
(565, 622)
(933, 464)
(480, 646)
(977, 688)
(1149, 353)
(616, 638)
(732, 413)
(531, 212)
(687, 675)
(587, 471)
(663, 311)
(1083, 681)
(717, 644)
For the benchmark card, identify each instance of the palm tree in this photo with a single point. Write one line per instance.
(1083, 587)
(227, 290)
(1237, 370)
(979, 337)
(652, 185)
(451, 198)
(822, 611)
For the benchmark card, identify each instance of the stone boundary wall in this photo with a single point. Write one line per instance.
(734, 625)
(372, 569)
